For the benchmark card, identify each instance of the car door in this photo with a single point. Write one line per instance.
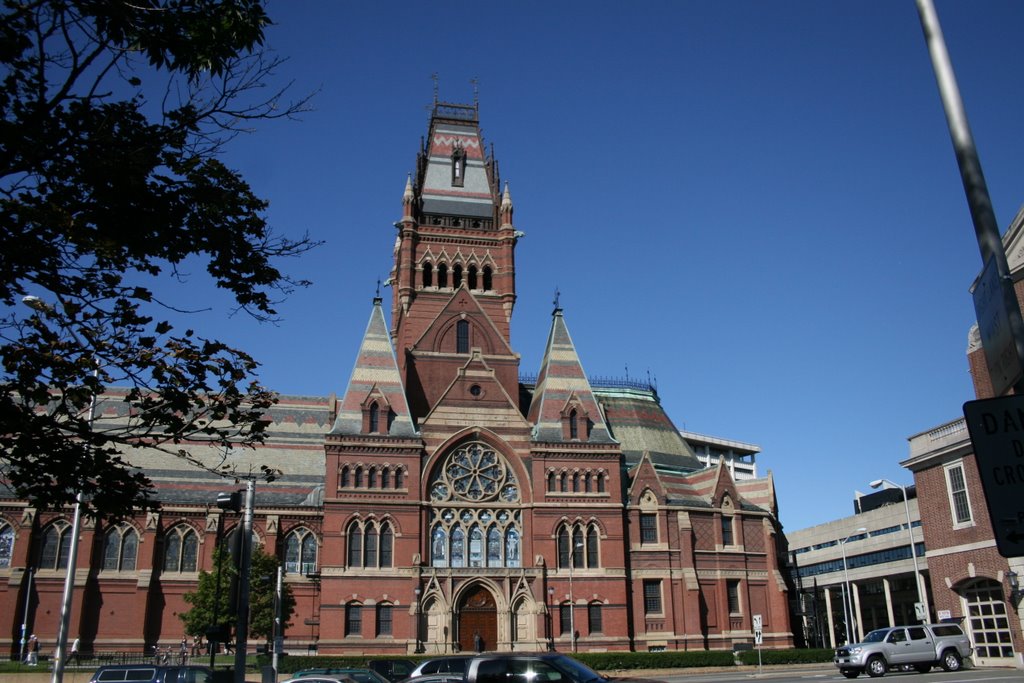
(897, 646)
(922, 649)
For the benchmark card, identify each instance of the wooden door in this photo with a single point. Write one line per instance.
(478, 615)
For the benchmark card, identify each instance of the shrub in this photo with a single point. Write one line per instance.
(801, 656)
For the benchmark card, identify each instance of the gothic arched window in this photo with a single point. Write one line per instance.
(53, 553)
(120, 547)
(374, 418)
(475, 497)
(355, 545)
(462, 336)
(181, 550)
(428, 275)
(487, 278)
(442, 275)
(6, 544)
(300, 552)
(472, 277)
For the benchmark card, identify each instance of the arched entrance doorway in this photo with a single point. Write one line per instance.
(988, 623)
(478, 615)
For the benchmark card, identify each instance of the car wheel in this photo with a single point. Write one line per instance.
(922, 668)
(877, 666)
(951, 660)
(851, 673)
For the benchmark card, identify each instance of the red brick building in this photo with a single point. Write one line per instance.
(970, 580)
(443, 497)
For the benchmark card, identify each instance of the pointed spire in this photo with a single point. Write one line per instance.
(506, 207)
(506, 199)
(408, 196)
(375, 374)
(563, 390)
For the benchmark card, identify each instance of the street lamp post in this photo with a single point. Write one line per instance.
(922, 594)
(38, 305)
(551, 619)
(572, 599)
(416, 616)
(848, 601)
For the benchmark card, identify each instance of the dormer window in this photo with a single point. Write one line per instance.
(458, 164)
(575, 422)
(374, 419)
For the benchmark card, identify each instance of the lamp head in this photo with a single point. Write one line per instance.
(861, 530)
(36, 304)
(876, 483)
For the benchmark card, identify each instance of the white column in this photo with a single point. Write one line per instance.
(831, 622)
(888, 600)
(858, 630)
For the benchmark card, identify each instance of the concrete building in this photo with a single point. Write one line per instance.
(878, 573)
(738, 457)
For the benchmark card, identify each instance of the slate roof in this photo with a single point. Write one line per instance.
(475, 197)
(375, 373)
(561, 379)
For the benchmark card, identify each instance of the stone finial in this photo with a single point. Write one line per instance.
(407, 196)
(506, 199)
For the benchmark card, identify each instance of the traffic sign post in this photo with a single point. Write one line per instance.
(758, 639)
(996, 426)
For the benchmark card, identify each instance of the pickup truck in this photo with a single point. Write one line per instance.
(919, 647)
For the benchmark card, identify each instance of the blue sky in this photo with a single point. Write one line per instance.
(757, 202)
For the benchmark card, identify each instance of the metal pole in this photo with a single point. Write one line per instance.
(922, 594)
(847, 602)
(219, 551)
(24, 617)
(278, 635)
(572, 600)
(983, 215)
(242, 625)
(69, 576)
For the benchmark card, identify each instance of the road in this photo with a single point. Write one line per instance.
(777, 674)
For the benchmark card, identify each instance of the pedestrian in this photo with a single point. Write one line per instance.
(73, 659)
(183, 650)
(33, 650)
(478, 642)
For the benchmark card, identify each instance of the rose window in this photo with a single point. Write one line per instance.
(474, 473)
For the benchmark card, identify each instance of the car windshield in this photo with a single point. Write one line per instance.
(876, 636)
(580, 673)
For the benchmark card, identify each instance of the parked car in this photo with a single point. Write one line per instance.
(392, 669)
(455, 664)
(340, 678)
(436, 678)
(920, 647)
(145, 673)
(530, 668)
(356, 675)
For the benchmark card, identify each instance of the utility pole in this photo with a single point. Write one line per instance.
(244, 564)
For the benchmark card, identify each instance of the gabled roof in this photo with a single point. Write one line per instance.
(561, 382)
(711, 486)
(475, 397)
(463, 305)
(375, 374)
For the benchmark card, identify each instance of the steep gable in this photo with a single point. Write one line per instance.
(563, 395)
(376, 381)
(441, 334)
(475, 397)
